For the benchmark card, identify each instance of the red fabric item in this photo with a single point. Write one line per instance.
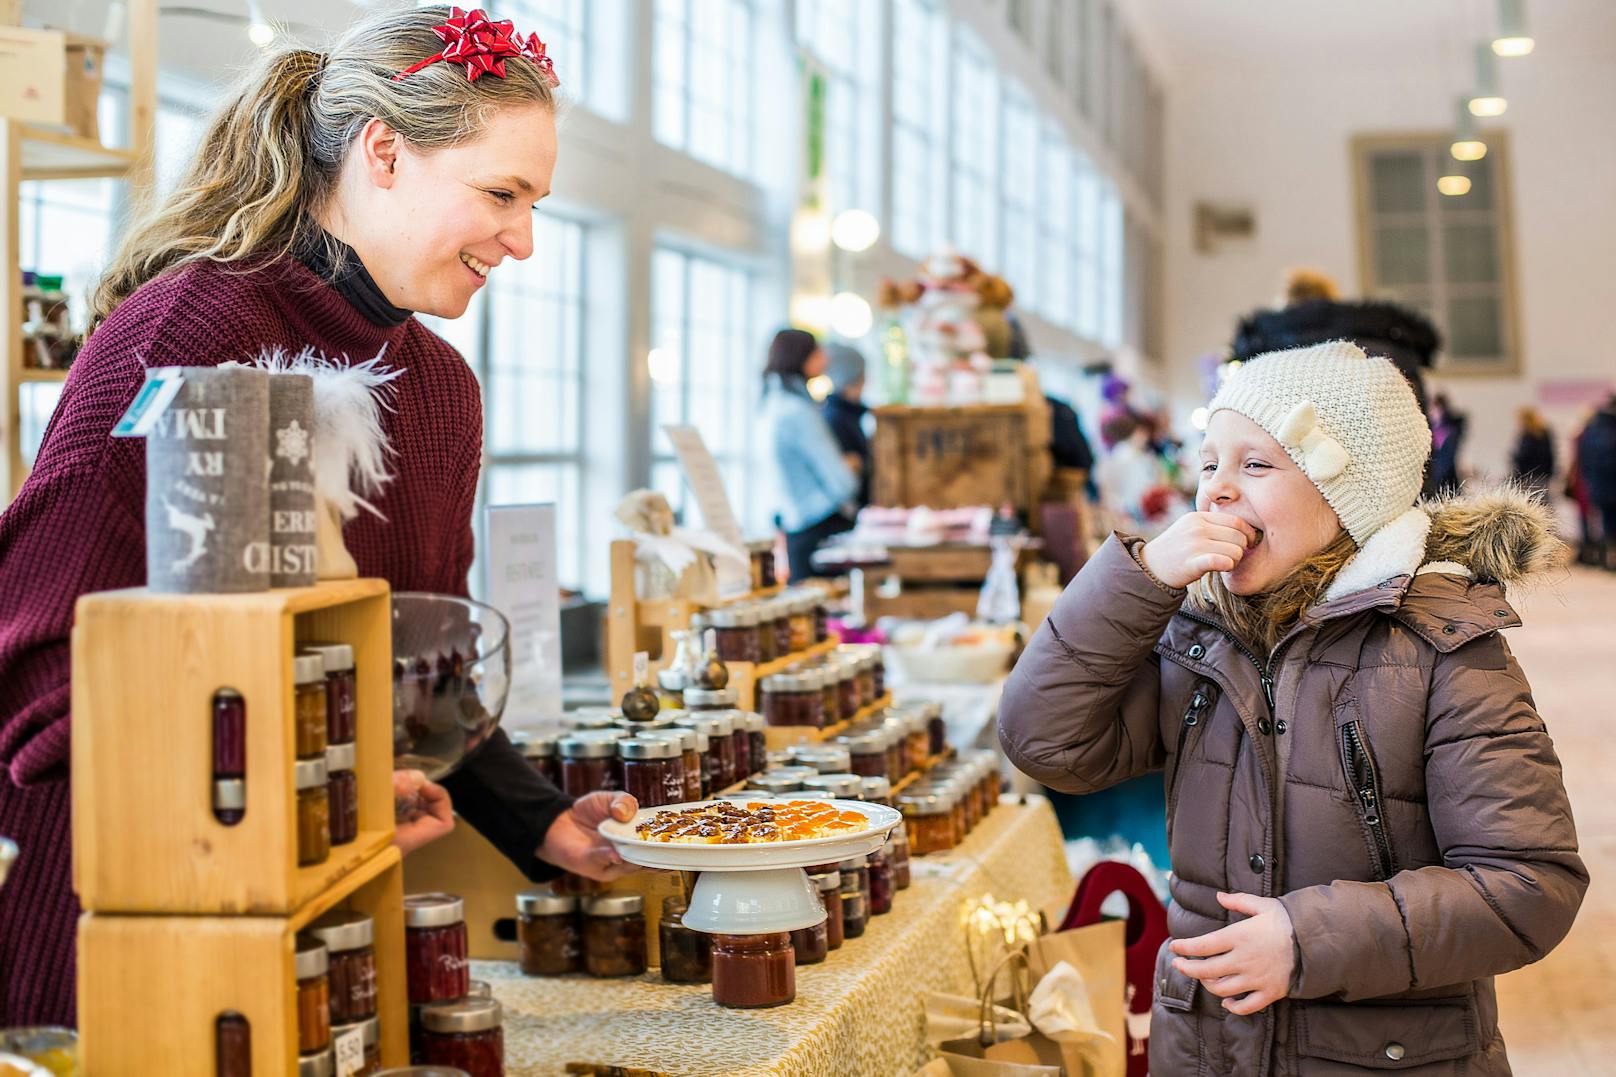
(1147, 930)
(77, 527)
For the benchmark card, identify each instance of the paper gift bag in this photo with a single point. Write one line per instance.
(1097, 953)
(967, 1065)
(998, 1042)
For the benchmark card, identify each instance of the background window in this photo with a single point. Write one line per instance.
(1021, 153)
(975, 156)
(844, 36)
(1055, 249)
(704, 79)
(920, 96)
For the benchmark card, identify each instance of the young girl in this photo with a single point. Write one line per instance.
(1365, 813)
(333, 197)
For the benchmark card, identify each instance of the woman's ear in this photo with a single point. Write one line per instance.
(378, 148)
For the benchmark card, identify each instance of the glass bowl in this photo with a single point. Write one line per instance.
(451, 674)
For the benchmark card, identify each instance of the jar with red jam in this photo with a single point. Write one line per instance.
(829, 885)
(754, 971)
(342, 789)
(711, 699)
(720, 733)
(898, 850)
(588, 762)
(936, 728)
(541, 754)
(466, 1034)
(857, 658)
(690, 760)
(341, 690)
(229, 756)
(882, 885)
(736, 628)
(687, 954)
(435, 947)
(811, 945)
(369, 1036)
(614, 935)
(548, 929)
(868, 753)
(740, 740)
(350, 942)
(757, 738)
(653, 771)
(794, 698)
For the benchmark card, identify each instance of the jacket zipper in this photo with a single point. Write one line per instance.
(1359, 767)
(1200, 703)
(1265, 670)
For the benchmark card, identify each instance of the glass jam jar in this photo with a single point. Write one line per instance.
(800, 620)
(767, 576)
(825, 758)
(882, 884)
(312, 963)
(736, 628)
(773, 785)
(343, 790)
(793, 773)
(811, 945)
(547, 927)
(855, 912)
(863, 671)
(435, 947)
(465, 1034)
(869, 755)
(369, 1034)
(341, 690)
(740, 740)
(588, 762)
(768, 638)
(653, 771)
(541, 754)
(687, 955)
(690, 759)
(877, 791)
(319, 1064)
(829, 884)
(929, 820)
(232, 1046)
(896, 727)
(839, 786)
(614, 935)
(711, 699)
(313, 810)
(349, 938)
(754, 971)
(936, 728)
(758, 738)
(795, 698)
(848, 697)
(229, 756)
(720, 733)
(309, 709)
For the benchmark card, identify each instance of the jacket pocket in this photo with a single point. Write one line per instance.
(1196, 714)
(1385, 1036)
(1363, 785)
(1174, 990)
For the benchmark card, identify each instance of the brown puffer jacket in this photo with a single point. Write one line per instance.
(1425, 842)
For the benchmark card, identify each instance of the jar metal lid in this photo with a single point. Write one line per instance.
(754, 721)
(320, 1064)
(614, 905)
(854, 866)
(479, 989)
(462, 1015)
(849, 786)
(312, 958)
(230, 793)
(636, 729)
(433, 910)
(871, 743)
(591, 717)
(827, 881)
(638, 748)
(341, 756)
(226, 693)
(826, 758)
(678, 735)
(673, 679)
(581, 746)
(796, 681)
(370, 1031)
(712, 723)
(342, 930)
(877, 788)
(308, 669)
(311, 773)
(545, 902)
(746, 795)
(796, 774)
(777, 757)
(336, 656)
(774, 783)
(711, 697)
(923, 804)
(533, 747)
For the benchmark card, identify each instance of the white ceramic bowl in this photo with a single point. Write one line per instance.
(753, 902)
(978, 663)
(763, 856)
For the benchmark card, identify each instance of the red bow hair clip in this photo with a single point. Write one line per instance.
(482, 45)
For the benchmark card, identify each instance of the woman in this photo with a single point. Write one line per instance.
(844, 410)
(335, 196)
(815, 487)
(1532, 462)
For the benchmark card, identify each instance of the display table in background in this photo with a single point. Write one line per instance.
(860, 1012)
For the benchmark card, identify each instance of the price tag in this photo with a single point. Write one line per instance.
(162, 386)
(349, 1048)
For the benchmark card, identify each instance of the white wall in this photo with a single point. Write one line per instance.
(1274, 134)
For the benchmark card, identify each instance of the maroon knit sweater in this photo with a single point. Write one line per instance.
(77, 526)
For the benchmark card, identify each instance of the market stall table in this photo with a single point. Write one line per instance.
(860, 1012)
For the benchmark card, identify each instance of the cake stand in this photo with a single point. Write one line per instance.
(752, 889)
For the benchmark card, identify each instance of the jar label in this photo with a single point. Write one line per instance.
(349, 1049)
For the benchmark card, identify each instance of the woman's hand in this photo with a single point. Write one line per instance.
(1198, 543)
(421, 811)
(573, 841)
(1251, 958)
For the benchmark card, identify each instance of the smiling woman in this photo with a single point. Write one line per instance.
(333, 197)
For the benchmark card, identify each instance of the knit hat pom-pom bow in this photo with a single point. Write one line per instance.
(1323, 457)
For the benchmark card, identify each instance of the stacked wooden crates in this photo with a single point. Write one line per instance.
(187, 919)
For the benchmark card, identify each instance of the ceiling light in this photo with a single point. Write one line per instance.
(810, 231)
(855, 230)
(663, 365)
(850, 315)
(259, 32)
(1512, 39)
(1454, 185)
(1486, 100)
(1467, 144)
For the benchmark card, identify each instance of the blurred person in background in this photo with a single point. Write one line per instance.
(1447, 437)
(1596, 464)
(1532, 461)
(844, 410)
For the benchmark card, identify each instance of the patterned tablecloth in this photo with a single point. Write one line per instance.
(859, 1012)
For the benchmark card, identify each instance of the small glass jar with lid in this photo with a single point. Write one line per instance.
(740, 739)
(928, 818)
(898, 850)
(839, 786)
(313, 811)
(690, 761)
(720, 731)
(736, 629)
(309, 717)
(794, 773)
(320, 1063)
(950, 796)
(855, 911)
(653, 770)
(868, 752)
(767, 575)
(583, 719)
(711, 699)
(349, 939)
(881, 882)
(821, 619)
(826, 758)
(466, 1034)
(936, 728)
(754, 555)
(919, 739)
(614, 935)
(549, 932)
(896, 727)
(757, 738)
(768, 641)
(793, 698)
(588, 762)
(800, 620)
(541, 754)
(435, 949)
(858, 658)
(229, 756)
(342, 786)
(687, 955)
(341, 690)
(811, 945)
(369, 1034)
(778, 613)
(829, 885)
(774, 784)
(312, 963)
(877, 790)
(754, 971)
(847, 686)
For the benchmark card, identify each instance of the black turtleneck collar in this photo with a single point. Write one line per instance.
(351, 280)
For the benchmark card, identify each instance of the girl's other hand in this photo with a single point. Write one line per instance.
(1198, 543)
(1249, 963)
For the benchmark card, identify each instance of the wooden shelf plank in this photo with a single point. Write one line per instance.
(32, 374)
(48, 154)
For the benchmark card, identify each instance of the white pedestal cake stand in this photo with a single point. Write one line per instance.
(752, 889)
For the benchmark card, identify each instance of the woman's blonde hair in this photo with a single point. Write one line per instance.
(1261, 620)
(270, 159)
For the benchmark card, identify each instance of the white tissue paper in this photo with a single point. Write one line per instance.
(1060, 1009)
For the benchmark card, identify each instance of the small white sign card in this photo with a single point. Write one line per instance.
(520, 581)
(706, 482)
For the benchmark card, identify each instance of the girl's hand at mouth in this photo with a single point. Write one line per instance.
(1198, 543)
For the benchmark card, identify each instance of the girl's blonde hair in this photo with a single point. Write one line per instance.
(270, 159)
(1261, 620)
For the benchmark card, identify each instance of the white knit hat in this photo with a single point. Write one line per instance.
(1349, 420)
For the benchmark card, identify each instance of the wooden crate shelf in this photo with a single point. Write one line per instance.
(152, 987)
(145, 670)
(789, 736)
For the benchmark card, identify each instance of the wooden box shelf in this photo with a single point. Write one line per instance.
(145, 670)
(151, 988)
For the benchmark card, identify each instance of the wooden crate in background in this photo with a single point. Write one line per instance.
(944, 458)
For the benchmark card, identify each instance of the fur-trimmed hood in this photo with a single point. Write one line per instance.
(1502, 537)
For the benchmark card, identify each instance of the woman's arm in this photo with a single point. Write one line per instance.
(1511, 880)
(818, 449)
